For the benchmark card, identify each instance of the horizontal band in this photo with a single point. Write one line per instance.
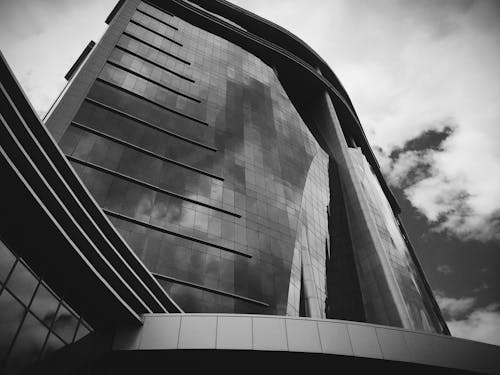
(152, 102)
(154, 63)
(156, 32)
(148, 185)
(143, 150)
(156, 19)
(149, 125)
(155, 47)
(128, 70)
(160, 229)
(157, 7)
(207, 289)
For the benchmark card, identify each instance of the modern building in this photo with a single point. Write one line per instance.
(202, 194)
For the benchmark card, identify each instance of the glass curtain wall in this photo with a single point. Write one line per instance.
(402, 266)
(192, 147)
(34, 321)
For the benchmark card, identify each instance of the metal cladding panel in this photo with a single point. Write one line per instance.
(371, 343)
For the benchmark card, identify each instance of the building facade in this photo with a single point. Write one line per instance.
(202, 160)
(193, 148)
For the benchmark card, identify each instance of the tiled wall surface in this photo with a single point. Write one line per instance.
(250, 332)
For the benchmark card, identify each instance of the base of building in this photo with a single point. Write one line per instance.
(223, 343)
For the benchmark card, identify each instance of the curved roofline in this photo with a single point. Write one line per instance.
(295, 38)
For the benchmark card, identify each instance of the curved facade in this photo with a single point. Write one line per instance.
(198, 139)
(202, 160)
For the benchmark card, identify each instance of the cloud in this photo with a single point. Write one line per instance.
(447, 200)
(429, 81)
(410, 167)
(410, 68)
(482, 324)
(445, 269)
(465, 321)
(454, 307)
(42, 39)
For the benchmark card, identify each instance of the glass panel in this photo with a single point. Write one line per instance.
(7, 260)
(22, 283)
(83, 330)
(44, 305)
(65, 324)
(28, 345)
(11, 314)
(53, 343)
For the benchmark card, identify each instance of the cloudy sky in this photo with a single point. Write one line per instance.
(424, 76)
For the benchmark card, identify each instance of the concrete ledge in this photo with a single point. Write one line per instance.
(301, 335)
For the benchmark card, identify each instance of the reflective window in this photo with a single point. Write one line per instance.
(251, 137)
(33, 320)
(28, 344)
(22, 283)
(44, 305)
(7, 260)
(10, 319)
(229, 191)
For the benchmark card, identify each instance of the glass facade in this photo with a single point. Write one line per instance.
(396, 250)
(34, 321)
(197, 154)
(205, 167)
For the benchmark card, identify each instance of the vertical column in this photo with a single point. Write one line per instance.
(383, 301)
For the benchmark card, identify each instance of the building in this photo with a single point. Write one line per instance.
(204, 160)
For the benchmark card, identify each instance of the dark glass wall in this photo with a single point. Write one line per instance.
(193, 149)
(34, 321)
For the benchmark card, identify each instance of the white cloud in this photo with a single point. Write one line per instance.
(454, 307)
(42, 39)
(436, 79)
(482, 324)
(408, 66)
(465, 321)
(408, 163)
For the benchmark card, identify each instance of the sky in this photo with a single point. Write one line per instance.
(424, 77)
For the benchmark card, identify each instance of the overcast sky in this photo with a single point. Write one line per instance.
(424, 76)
